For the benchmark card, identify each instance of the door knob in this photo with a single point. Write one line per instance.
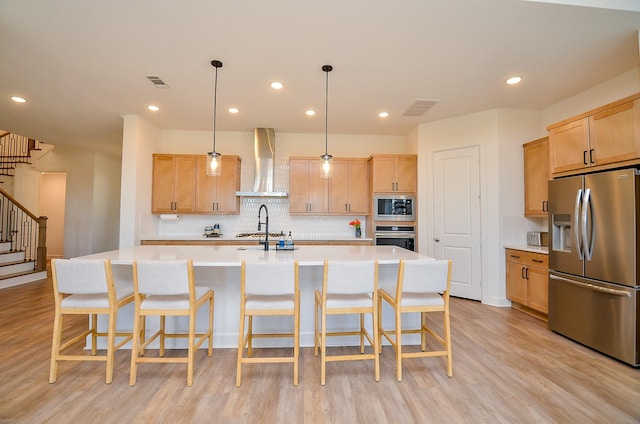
(437, 239)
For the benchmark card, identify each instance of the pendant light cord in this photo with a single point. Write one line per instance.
(326, 69)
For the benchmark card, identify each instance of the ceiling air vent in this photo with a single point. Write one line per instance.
(157, 82)
(419, 107)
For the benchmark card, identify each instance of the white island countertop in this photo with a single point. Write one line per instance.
(233, 255)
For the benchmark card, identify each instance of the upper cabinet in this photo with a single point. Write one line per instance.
(599, 139)
(394, 173)
(349, 187)
(180, 185)
(536, 177)
(308, 191)
(173, 184)
(217, 195)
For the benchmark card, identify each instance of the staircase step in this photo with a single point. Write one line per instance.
(21, 278)
(9, 268)
(11, 256)
(5, 246)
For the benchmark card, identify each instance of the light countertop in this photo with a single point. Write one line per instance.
(219, 255)
(233, 238)
(526, 248)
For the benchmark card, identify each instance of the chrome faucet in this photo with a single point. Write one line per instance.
(266, 225)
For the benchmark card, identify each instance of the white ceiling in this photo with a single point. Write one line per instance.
(82, 64)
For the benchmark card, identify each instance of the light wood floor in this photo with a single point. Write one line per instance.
(508, 368)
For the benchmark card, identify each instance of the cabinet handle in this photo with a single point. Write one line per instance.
(349, 207)
(538, 261)
(526, 273)
(591, 156)
(346, 208)
(393, 185)
(217, 206)
(584, 157)
(515, 256)
(522, 273)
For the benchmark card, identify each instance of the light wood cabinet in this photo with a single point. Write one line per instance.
(180, 185)
(349, 187)
(308, 191)
(217, 195)
(536, 177)
(528, 280)
(599, 139)
(173, 188)
(394, 173)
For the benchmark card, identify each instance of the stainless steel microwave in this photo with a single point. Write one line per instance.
(393, 207)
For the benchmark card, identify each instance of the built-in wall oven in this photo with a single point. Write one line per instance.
(396, 235)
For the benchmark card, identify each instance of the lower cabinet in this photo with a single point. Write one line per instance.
(528, 279)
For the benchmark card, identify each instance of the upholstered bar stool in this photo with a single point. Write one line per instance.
(167, 288)
(86, 287)
(268, 289)
(347, 288)
(423, 286)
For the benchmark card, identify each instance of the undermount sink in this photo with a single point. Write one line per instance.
(250, 248)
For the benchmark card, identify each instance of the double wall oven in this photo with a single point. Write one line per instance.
(394, 218)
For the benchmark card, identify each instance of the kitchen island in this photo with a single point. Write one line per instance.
(218, 267)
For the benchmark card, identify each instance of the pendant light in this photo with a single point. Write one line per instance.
(327, 159)
(214, 159)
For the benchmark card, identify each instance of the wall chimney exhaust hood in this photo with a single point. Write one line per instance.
(264, 154)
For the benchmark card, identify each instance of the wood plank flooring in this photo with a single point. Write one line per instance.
(508, 368)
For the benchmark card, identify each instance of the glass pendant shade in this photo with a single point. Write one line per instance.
(214, 164)
(327, 166)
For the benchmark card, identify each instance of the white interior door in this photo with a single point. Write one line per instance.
(456, 215)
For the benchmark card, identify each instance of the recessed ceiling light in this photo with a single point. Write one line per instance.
(233, 110)
(276, 85)
(383, 114)
(310, 112)
(153, 108)
(18, 99)
(513, 80)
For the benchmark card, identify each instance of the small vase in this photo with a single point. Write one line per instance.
(358, 232)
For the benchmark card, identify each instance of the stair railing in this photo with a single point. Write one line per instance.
(26, 232)
(15, 149)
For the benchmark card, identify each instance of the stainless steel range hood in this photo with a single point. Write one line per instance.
(265, 153)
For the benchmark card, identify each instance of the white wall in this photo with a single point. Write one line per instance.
(52, 205)
(83, 199)
(106, 203)
(139, 140)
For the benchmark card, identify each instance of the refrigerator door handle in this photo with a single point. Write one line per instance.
(592, 286)
(586, 240)
(576, 224)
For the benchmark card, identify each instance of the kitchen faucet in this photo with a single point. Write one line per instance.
(266, 225)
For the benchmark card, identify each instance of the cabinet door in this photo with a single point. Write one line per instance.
(516, 284)
(406, 174)
(536, 177)
(339, 187)
(298, 185)
(359, 198)
(185, 184)
(318, 188)
(228, 185)
(162, 195)
(383, 172)
(206, 187)
(538, 289)
(614, 134)
(569, 146)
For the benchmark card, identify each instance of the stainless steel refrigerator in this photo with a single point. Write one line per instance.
(593, 261)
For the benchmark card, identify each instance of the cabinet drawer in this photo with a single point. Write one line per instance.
(518, 256)
(538, 260)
